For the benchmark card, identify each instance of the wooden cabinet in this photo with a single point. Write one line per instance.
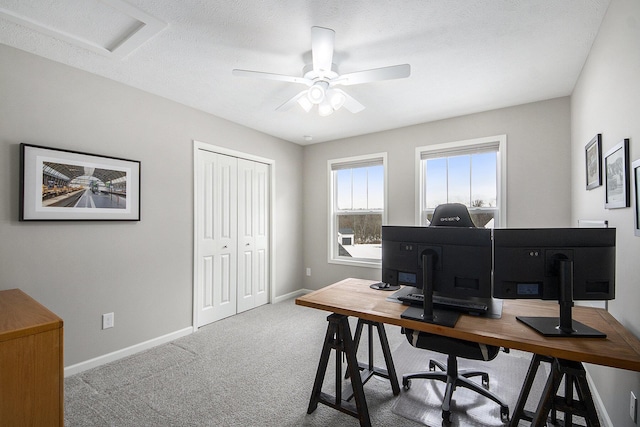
(31, 363)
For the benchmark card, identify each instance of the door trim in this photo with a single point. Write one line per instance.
(199, 145)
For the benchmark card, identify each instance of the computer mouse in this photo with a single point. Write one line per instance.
(382, 286)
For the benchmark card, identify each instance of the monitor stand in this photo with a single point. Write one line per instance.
(439, 317)
(427, 313)
(550, 327)
(382, 286)
(563, 326)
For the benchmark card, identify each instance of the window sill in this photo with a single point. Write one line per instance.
(357, 263)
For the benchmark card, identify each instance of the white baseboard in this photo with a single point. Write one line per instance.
(294, 294)
(119, 354)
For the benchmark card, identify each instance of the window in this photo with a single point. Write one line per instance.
(357, 203)
(471, 172)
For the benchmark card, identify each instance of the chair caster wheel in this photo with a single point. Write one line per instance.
(504, 414)
(485, 381)
(446, 417)
(406, 384)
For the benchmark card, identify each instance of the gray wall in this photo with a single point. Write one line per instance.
(606, 100)
(538, 152)
(141, 271)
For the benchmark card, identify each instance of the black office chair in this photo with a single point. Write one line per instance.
(453, 215)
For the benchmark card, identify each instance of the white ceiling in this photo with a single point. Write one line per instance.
(466, 56)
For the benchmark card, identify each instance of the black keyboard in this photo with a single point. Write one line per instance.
(447, 302)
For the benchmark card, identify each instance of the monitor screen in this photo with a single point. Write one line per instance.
(526, 262)
(461, 257)
(563, 264)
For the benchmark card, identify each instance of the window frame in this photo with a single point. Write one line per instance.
(332, 256)
(448, 149)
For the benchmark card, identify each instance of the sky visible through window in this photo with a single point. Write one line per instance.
(361, 188)
(467, 179)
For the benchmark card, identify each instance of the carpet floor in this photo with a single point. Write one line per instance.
(257, 369)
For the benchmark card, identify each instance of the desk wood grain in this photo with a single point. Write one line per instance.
(620, 349)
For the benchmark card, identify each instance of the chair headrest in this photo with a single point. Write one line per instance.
(451, 215)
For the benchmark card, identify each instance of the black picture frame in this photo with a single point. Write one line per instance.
(593, 162)
(616, 169)
(635, 170)
(65, 185)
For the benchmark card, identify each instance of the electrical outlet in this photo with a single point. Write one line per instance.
(107, 321)
(633, 408)
(308, 271)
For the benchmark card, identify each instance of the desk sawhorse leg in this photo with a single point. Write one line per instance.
(574, 375)
(338, 338)
(368, 369)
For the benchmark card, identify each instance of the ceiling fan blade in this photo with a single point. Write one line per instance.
(350, 102)
(374, 75)
(271, 76)
(322, 48)
(291, 102)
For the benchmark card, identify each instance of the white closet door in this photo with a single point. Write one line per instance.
(253, 234)
(216, 237)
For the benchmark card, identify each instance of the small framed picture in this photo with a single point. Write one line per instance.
(635, 168)
(63, 185)
(616, 169)
(593, 157)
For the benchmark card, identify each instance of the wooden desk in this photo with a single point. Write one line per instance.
(620, 349)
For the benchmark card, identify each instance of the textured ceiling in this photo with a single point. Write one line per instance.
(466, 56)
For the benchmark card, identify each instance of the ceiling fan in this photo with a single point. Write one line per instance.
(321, 77)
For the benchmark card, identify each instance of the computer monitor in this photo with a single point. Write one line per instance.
(563, 264)
(462, 259)
(455, 261)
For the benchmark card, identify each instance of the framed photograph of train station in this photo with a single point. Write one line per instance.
(64, 185)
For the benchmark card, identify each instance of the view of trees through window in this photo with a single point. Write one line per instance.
(367, 229)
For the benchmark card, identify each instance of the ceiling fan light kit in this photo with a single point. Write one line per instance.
(322, 75)
(317, 91)
(336, 98)
(304, 102)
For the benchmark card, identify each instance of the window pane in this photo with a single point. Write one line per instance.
(359, 188)
(484, 179)
(435, 173)
(467, 174)
(376, 187)
(360, 236)
(459, 179)
(483, 218)
(343, 187)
